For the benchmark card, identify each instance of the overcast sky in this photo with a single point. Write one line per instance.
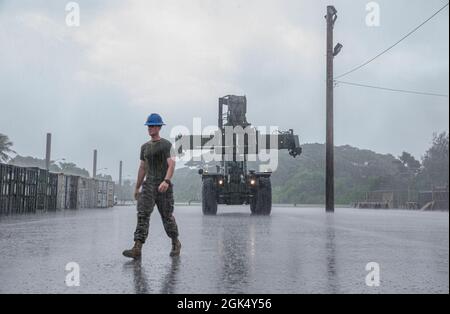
(93, 86)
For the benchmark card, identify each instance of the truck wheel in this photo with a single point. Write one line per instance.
(253, 205)
(261, 204)
(209, 201)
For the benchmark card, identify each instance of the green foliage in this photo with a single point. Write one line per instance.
(5, 148)
(357, 171)
(302, 180)
(64, 167)
(435, 163)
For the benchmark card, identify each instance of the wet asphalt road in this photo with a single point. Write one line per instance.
(295, 250)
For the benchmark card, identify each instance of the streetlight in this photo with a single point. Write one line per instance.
(332, 52)
(337, 49)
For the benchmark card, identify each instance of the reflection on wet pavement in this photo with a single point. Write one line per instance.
(295, 250)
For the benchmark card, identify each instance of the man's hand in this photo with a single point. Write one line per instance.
(136, 193)
(163, 187)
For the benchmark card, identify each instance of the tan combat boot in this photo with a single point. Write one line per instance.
(135, 252)
(176, 247)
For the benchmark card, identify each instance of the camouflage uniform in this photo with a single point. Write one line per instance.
(155, 155)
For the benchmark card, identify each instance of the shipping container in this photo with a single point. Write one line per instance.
(42, 182)
(102, 193)
(26, 190)
(30, 195)
(86, 193)
(61, 192)
(52, 191)
(17, 190)
(5, 187)
(5, 174)
(4, 205)
(69, 192)
(110, 197)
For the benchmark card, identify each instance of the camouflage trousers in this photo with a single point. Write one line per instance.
(146, 202)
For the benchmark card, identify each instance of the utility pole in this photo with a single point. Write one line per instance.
(331, 53)
(94, 166)
(120, 173)
(48, 151)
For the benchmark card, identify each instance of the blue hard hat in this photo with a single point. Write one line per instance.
(154, 119)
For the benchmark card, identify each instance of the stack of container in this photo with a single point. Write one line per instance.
(42, 180)
(52, 191)
(26, 190)
(30, 195)
(5, 172)
(17, 189)
(102, 193)
(110, 196)
(81, 192)
(86, 193)
(67, 194)
(61, 192)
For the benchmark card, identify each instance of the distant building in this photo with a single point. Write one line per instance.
(436, 199)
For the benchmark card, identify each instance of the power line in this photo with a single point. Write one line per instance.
(393, 89)
(389, 48)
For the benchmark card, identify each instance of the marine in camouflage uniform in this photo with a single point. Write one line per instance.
(157, 166)
(155, 155)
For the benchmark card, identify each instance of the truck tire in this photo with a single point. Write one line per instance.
(209, 200)
(253, 205)
(261, 204)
